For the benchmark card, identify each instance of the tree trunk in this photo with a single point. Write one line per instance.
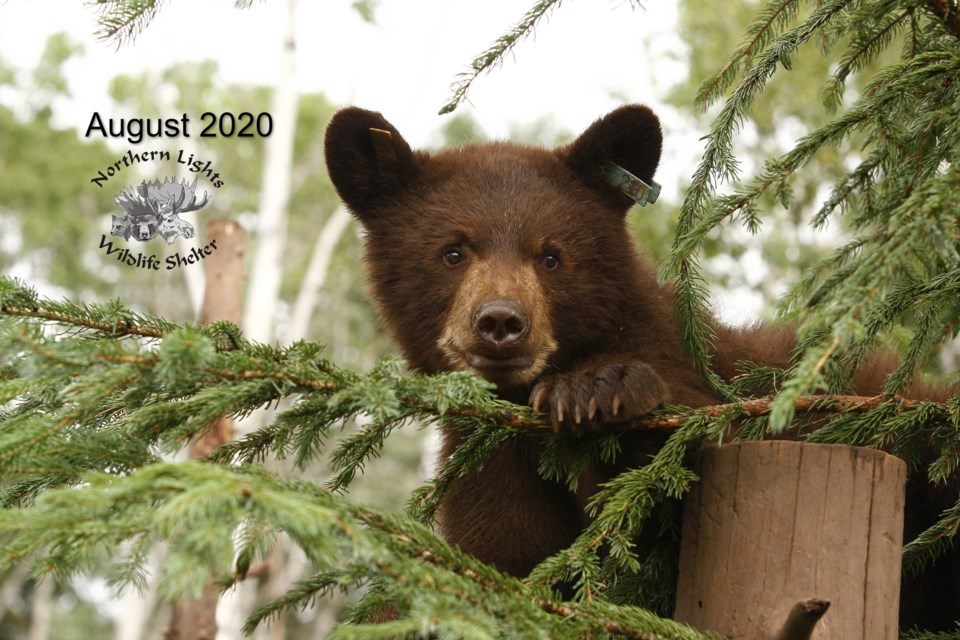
(316, 275)
(41, 606)
(776, 532)
(222, 300)
(271, 230)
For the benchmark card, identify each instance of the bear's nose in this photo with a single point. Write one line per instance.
(500, 323)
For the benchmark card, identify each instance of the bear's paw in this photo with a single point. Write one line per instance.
(592, 397)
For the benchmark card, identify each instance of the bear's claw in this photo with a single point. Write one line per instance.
(592, 397)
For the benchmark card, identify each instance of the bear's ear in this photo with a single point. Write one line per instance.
(618, 155)
(367, 158)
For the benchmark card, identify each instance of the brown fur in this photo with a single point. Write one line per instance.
(516, 263)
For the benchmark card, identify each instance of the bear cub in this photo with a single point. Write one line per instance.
(516, 263)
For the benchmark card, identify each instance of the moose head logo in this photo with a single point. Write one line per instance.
(154, 208)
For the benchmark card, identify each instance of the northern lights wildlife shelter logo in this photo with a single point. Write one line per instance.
(154, 208)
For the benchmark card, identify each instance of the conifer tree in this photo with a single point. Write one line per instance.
(92, 396)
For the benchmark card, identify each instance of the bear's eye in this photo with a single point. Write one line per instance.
(452, 257)
(550, 261)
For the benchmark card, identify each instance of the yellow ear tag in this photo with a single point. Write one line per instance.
(383, 144)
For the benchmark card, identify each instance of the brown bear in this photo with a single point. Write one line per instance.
(516, 263)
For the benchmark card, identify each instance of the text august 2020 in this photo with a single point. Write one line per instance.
(215, 125)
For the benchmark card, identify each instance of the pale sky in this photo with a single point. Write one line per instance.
(585, 59)
(404, 63)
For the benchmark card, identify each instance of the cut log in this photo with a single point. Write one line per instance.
(777, 531)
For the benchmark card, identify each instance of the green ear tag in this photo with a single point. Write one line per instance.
(383, 145)
(632, 186)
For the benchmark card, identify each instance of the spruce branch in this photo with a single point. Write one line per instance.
(123, 20)
(931, 543)
(442, 589)
(894, 171)
(718, 165)
(918, 634)
(867, 43)
(620, 510)
(567, 610)
(16, 299)
(832, 404)
(190, 384)
(91, 399)
(764, 28)
(495, 54)
(454, 397)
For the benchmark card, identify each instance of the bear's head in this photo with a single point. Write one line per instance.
(497, 258)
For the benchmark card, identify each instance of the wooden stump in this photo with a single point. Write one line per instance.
(777, 530)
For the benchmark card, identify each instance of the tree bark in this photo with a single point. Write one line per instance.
(222, 300)
(776, 532)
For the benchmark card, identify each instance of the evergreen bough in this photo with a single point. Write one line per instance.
(95, 395)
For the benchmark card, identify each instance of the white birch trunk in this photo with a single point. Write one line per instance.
(267, 268)
(263, 291)
(194, 278)
(41, 609)
(316, 276)
(139, 606)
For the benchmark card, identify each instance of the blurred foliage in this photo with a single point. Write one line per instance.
(48, 210)
(460, 129)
